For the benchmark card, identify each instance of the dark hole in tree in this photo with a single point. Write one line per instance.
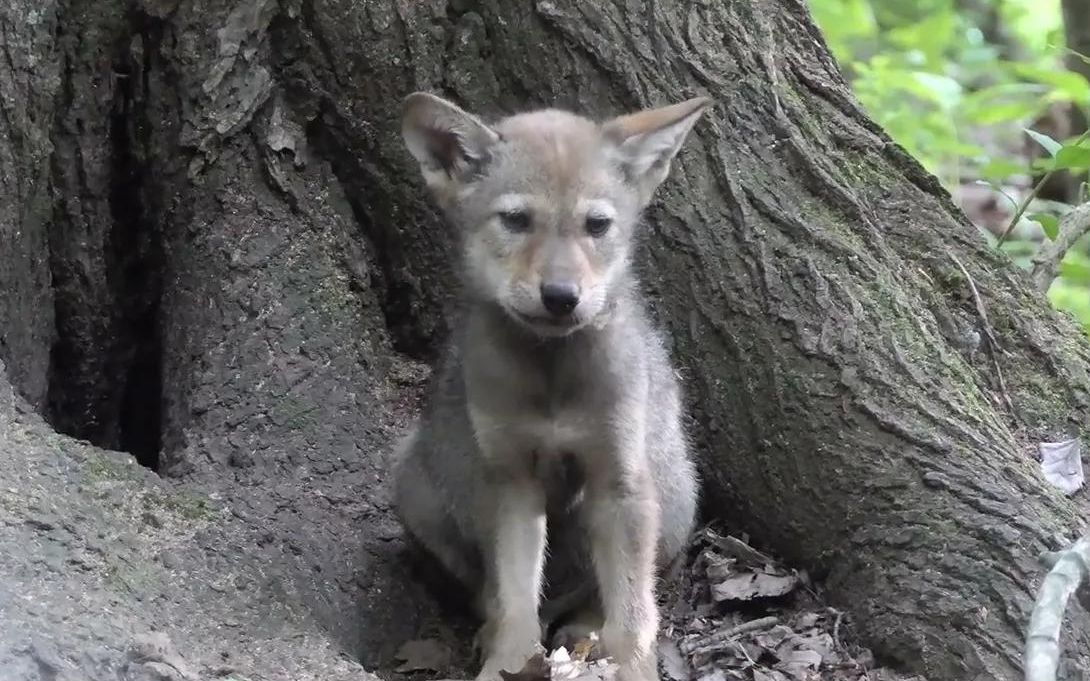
(105, 378)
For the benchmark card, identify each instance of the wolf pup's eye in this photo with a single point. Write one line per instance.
(515, 220)
(597, 225)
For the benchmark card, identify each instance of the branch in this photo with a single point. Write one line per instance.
(992, 343)
(1070, 567)
(1033, 194)
(1046, 261)
(713, 642)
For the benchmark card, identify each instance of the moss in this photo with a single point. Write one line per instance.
(191, 506)
(925, 347)
(294, 412)
(101, 467)
(132, 578)
(188, 505)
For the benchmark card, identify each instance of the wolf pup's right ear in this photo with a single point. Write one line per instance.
(450, 144)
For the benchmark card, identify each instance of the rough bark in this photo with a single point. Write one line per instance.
(241, 258)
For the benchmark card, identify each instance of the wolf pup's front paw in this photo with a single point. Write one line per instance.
(642, 668)
(508, 648)
(634, 653)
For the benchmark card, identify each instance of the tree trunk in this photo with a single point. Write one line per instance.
(1065, 120)
(241, 268)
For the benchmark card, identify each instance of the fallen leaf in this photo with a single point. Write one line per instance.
(747, 586)
(423, 655)
(563, 667)
(773, 637)
(808, 620)
(537, 668)
(588, 649)
(1061, 462)
(718, 567)
(820, 642)
(799, 663)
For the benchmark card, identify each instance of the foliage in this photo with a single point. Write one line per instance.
(957, 83)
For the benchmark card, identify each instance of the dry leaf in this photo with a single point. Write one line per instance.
(537, 668)
(747, 586)
(1061, 463)
(799, 663)
(563, 667)
(774, 636)
(588, 649)
(423, 655)
(820, 642)
(808, 620)
(718, 567)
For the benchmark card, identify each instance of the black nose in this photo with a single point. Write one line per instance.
(560, 298)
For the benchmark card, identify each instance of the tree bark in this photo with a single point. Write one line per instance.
(242, 265)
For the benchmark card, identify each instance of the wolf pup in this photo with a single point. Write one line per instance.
(555, 418)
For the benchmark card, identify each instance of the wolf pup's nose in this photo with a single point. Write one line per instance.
(560, 298)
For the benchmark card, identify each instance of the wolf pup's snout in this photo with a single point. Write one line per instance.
(559, 298)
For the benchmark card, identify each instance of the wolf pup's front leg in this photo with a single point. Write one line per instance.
(514, 572)
(622, 515)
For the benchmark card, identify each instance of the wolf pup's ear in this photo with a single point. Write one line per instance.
(647, 141)
(449, 144)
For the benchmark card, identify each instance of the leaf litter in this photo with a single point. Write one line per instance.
(731, 612)
(738, 613)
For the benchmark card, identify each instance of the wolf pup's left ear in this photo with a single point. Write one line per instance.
(647, 141)
(449, 144)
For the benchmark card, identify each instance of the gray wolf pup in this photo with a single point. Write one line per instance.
(554, 423)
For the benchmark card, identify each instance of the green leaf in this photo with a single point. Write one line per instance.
(1001, 112)
(1072, 158)
(1050, 224)
(1076, 273)
(1000, 169)
(942, 90)
(1066, 85)
(1050, 145)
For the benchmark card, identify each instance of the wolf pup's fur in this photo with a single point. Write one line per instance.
(555, 417)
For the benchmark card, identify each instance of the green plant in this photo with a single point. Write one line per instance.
(957, 84)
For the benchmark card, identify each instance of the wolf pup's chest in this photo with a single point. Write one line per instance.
(541, 406)
(538, 433)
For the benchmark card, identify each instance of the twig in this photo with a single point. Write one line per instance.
(713, 641)
(745, 653)
(993, 345)
(1046, 261)
(836, 630)
(1042, 656)
(1033, 194)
